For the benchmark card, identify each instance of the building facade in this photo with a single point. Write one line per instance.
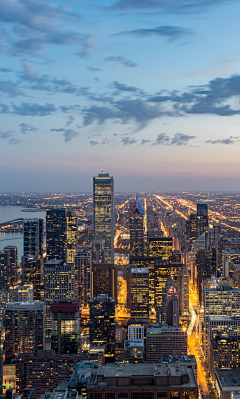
(33, 237)
(24, 328)
(72, 236)
(136, 219)
(56, 233)
(103, 213)
(139, 293)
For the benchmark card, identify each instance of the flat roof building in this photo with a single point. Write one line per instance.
(145, 381)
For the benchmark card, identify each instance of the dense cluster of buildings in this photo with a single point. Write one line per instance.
(67, 330)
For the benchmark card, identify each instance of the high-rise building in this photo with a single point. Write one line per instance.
(165, 341)
(202, 219)
(224, 352)
(12, 259)
(219, 301)
(24, 328)
(59, 285)
(32, 273)
(225, 263)
(103, 213)
(221, 325)
(139, 293)
(102, 323)
(160, 247)
(136, 229)
(33, 237)
(3, 271)
(170, 304)
(56, 229)
(21, 293)
(83, 268)
(72, 236)
(193, 228)
(104, 280)
(65, 331)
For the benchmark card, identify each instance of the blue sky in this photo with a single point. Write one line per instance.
(148, 90)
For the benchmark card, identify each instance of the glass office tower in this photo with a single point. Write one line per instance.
(72, 237)
(33, 237)
(56, 228)
(103, 213)
(136, 229)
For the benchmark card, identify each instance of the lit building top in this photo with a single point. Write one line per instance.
(137, 206)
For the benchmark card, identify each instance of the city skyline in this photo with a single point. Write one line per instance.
(148, 91)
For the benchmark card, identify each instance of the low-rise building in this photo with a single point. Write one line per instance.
(142, 381)
(134, 351)
(227, 382)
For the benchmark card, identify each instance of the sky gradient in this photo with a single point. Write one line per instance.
(147, 90)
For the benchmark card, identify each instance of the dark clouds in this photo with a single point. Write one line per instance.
(121, 60)
(123, 87)
(70, 134)
(170, 32)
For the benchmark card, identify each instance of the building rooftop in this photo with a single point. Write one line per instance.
(25, 306)
(134, 343)
(178, 359)
(228, 378)
(132, 374)
(164, 329)
(222, 318)
(222, 288)
(54, 262)
(102, 297)
(140, 270)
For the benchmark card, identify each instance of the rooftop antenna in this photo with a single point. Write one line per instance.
(102, 170)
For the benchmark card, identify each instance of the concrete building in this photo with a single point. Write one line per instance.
(21, 293)
(142, 381)
(65, 327)
(134, 351)
(224, 326)
(165, 341)
(12, 262)
(224, 352)
(59, 285)
(136, 229)
(83, 268)
(182, 360)
(45, 370)
(135, 331)
(227, 382)
(24, 328)
(219, 301)
(72, 236)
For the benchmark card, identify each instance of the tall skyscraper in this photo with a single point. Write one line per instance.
(136, 229)
(32, 273)
(202, 219)
(65, 322)
(170, 304)
(103, 213)
(12, 261)
(24, 328)
(83, 268)
(139, 291)
(102, 322)
(56, 229)
(33, 237)
(72, 236)
(59, 285)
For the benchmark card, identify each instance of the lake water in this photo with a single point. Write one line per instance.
(9, 212)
